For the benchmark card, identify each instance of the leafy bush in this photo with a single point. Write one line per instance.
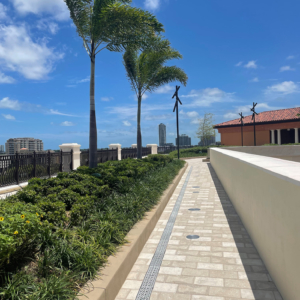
(76, 221)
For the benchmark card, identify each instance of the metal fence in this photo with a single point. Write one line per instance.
(128, 153)
(18, 168)
(103, 155)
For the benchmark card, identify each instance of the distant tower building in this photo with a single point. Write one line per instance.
(184, 140)
(1, 148)
(162, 131)
(31, 144)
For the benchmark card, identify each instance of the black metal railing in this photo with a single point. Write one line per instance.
(18, 168)
(128, 153)
(146, 151)
(103, 155)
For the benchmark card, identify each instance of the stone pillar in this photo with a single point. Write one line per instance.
(76, 153)
(134, 146)
(153, 148)
(296, 135)
(117, 146)
(279, 136)
(272, 136)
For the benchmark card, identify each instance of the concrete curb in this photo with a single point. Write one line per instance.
(118, 267)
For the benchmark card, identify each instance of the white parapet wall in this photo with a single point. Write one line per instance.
(76, 153)
(265, 192)
(119, 147)
(153, 148)
(288, 152)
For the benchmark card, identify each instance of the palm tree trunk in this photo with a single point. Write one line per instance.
(139, 134)
(93, 125)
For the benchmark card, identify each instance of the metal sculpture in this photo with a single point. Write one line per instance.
(253, 118)
(176, 107)
(242, 124)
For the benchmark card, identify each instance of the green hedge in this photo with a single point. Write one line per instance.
(56, 233)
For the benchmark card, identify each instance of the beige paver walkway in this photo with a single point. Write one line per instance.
(222, 264)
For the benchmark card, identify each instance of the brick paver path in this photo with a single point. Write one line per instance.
(222, 264)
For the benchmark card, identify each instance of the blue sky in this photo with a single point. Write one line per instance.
(234, 53)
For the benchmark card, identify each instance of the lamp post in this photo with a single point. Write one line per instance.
(176, 107)
(253, 118)
(242, 124)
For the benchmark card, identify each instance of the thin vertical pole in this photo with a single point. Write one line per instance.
(177, 129)
(49, 164)
(242, 134)
(254, 132)
(61, 161)
(34, 164)
(71, 159)
(17, 167)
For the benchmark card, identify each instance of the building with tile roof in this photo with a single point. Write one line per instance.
(271, 127)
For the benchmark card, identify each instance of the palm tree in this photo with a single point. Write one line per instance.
(146, 72)
(112, 25)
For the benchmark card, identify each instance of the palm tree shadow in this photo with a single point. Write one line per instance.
(257, 274)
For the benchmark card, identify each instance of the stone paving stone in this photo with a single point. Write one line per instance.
(222, 264)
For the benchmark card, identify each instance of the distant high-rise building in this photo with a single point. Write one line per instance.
(162, 132)
(207, 141)
(31, 144)
(1, 148)
(184, 140)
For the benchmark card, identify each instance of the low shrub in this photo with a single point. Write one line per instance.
(73, 222)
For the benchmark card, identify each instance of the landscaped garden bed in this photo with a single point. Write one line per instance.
(56, 233)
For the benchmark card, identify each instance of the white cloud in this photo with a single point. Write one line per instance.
(67, 123)
(286, 68)
(158, 117)
(56, 112)
(10, 104)
(192, 114)
(6, 79)
(255, 79)
(171, 133)
(283, 88)
(87, 79)
(231, 116)
(106, 99)
(195, 121)
(56, 8)
(18, 52)
(251, 64)
(3, 10)
(126, 123)
(8, 117)
(239, 64)
(245, 109)
(48, 25)
(166, 89)
(152, 4)
(290, 57)
(208, 96)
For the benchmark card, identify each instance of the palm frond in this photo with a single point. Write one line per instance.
(165, 76)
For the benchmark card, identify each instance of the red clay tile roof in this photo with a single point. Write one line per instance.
(266, 116)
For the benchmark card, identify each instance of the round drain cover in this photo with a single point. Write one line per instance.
(194, 209)
(192, 237)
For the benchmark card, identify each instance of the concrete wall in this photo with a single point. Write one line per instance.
(265, 192)
(291, 152)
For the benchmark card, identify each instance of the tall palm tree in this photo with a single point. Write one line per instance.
(112, 25)
(146, 72)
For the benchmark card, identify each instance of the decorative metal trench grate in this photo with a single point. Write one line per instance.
(146, 288)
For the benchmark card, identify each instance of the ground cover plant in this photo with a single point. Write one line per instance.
(56, 233)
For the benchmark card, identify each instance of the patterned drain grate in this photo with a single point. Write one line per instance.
(196, 187)
(194, 209)
(192, 237)
(196, 192)
(147, 286)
